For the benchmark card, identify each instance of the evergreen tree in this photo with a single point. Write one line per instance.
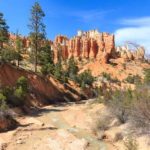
(37, 28)
(19, 47)
(58, 72)
(3, 31)
(46, 59)
(72, 68)
(45, 55)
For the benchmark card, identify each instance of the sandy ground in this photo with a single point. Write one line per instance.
(66, 127)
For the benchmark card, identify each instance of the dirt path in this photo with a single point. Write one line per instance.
(57, 128)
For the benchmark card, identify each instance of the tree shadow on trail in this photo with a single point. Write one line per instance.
(36, 112)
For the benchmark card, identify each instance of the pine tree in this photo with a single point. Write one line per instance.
(72, 68)
(46, 59)
(3, 31)
(46, 54)
(58, 72)
(37, 28)
(19, 47)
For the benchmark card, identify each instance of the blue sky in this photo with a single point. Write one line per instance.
(129, 20)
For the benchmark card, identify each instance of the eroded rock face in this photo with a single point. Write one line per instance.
(127, 54)
(91, 45)
(86, 45)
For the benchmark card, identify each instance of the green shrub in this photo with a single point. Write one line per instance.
(8, 92)
(19, 96)
(45, 55)
(58, 71)
(133, 79)
(72, 69)
(23, 83)
(2, 97)
(47, 69)
(3, 104)
(85, 79)
(14, 96)
(8, 55)
(106, 75)
(19, 93)
(113, 64)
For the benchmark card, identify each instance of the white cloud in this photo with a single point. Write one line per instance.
(136, 30)
(144, 21)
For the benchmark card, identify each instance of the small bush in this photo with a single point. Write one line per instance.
(120, 104)
(140, 115)
(19, 96)
(113, 64)
(8, 92)
(23, 83)
(103, 124)
(3, 104)
(129, 105)
(147, 76)
(104, 96)
(14, 96)
(106, 75)
(72, 69)
(85, 79)
(47, 69)
(20, 92)
(109, 78)
(133, 79)
(130, 144)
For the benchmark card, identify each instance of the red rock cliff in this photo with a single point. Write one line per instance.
(86, 45)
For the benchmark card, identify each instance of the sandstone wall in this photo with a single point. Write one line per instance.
(86, 45)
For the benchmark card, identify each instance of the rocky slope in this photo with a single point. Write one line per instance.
(42, 90)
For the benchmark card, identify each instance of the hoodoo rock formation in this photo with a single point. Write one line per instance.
(90, 45)
(127, 54)
(86, 45)
(25, 41)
